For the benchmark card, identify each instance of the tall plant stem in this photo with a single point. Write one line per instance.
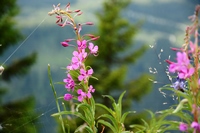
(55, 96)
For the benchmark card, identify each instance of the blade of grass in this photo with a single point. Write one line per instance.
(55, 96)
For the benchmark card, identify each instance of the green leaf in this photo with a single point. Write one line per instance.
(62, 83)
(87, 109)
(108, 125)
(125, 115)
(71, 113)
(126, 132)
(111, 98)
(111, 118)
(180, 105)
(89, 129)
(138, 127)
(118, 108)
(104, 107)
(120, 98)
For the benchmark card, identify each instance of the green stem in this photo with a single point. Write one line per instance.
(55, 96)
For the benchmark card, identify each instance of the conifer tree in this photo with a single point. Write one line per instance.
(17, 116)
(115, 55)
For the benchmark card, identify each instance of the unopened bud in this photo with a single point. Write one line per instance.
(75, 28)
(95, 38)
(68, 5)
(77, 10)
(197, 9)
(60, 25)
(89, 23)
(79, 13)
(69, 40)
(64, 44)
(176, 49)
(169, 62)
(89, 35)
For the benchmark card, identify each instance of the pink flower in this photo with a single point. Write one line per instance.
(93, 49)
(195, 125)
(90, 89)
(182, 58)
(186, 72)
(182, 66)
(82, 95)
(193, 47)
(69, 67)
(69, 82)
(183, 127)
(68, 97)
(82, 44)
(85, 74)
(78, 59)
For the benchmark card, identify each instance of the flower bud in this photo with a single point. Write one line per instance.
(68, 5)
(68, 97)
(95, 38)
(79, 13)
(64, 44)
(77, 10)
(89, 23)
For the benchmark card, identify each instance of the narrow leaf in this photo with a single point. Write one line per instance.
(108, 125)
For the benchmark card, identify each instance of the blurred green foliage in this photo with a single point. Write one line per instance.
(17, 116)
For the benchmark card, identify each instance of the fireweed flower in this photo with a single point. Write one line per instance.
(78, 59)
(90, 90)
(193, 47)
(183, 66)
(69, 82)
(85, 74)
(82, 95)
(93, 49)
(183, 127)
(196, 126)
(82, 44)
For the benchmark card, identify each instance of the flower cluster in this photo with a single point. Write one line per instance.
(182, 66)
(77, 73)
(194, 125)
(187, 67)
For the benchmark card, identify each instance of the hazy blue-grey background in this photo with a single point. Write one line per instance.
(164, 23)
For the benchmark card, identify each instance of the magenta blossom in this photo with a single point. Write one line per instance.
(196, 126)
(182, 66)
(82, 44)
(85, 74)
(90, 90)
(78, 59)
(68, 97)
(82, 95)
(193, 47)
(70, 84)
(183, 127)
(93, 49)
